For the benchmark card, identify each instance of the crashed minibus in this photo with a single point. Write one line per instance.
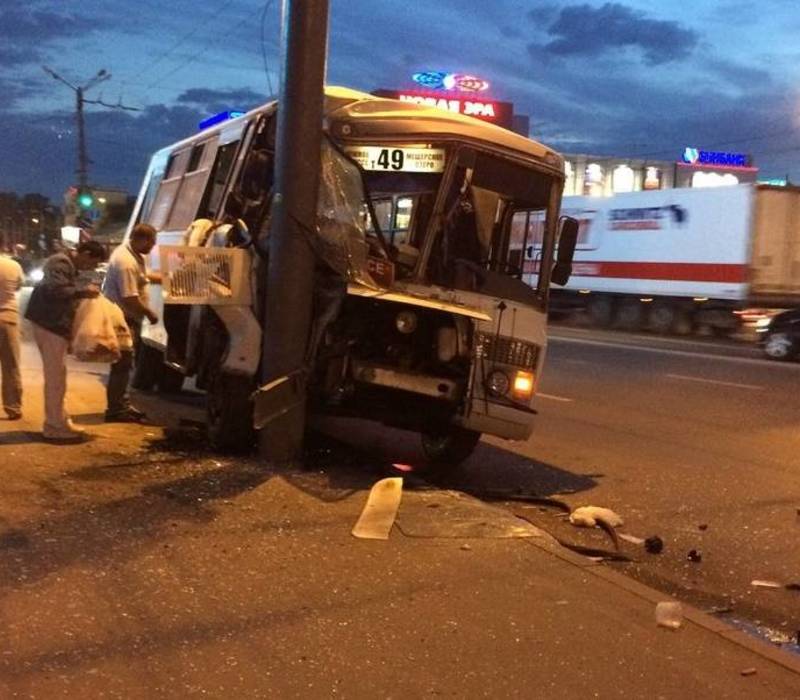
(437, 239)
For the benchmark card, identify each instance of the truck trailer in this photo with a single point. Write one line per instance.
(683, 260)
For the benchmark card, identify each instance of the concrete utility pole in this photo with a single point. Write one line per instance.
(290, 279)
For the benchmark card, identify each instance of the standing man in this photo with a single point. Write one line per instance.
(51, 310)
(10, 282)
(126, 285)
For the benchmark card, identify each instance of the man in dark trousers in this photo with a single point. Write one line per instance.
(51, 310)
(126, 284)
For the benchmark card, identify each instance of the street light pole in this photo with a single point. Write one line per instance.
(290, 277)
(83, 159)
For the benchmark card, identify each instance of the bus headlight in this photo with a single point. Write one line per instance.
(498, 383)
(523, 385)
(406, 322)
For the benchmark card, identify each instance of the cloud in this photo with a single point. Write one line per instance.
(589, 31)
(22, 26)
(27, 32)
(219, 100)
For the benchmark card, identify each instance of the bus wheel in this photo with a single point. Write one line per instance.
(147, 368)
(229, 413)
(170, 381)
(601, 311)
(449, 447)
(662, 318)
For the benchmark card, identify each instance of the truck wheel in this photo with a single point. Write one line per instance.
(662, 318)
(629, 316)
(147, 368)
(683, 323)
(601, 311)
(779, 346)
(229, 413)
(170, 381)
(449, 447)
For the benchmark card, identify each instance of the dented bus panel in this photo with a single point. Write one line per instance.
(425, 223)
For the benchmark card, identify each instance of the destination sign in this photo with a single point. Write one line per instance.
(407, 159)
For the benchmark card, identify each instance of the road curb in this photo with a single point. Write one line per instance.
(718, 627)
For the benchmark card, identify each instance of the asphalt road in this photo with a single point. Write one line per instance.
(696, 441)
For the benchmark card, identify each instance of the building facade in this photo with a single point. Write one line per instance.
(604, 176)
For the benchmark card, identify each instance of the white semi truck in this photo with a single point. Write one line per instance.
(679, 260)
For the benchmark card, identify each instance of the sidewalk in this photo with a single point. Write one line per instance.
(135, 567)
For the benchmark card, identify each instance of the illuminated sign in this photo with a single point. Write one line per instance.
(774, 181)
(219, 118)
(695, 156)
(398, 159)
(459, 82)
(500, 113)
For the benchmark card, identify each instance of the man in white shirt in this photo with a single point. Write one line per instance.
(126, 285)
(11, 276)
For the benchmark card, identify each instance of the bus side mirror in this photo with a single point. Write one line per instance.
(567, 240)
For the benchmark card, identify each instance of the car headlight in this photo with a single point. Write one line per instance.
(406, 322)
(498, 383)
(762, 324)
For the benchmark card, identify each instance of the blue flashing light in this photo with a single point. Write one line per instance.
(219, 118)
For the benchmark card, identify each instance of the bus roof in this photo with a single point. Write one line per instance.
(376, 117)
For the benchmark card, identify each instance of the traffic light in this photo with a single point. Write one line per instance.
(85, 199)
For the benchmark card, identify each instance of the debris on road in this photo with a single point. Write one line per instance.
(759, 583)
(466, 547)
(703, 527)
(765, 584)
(654, 544)
(588, 516)
(695, 555)
(749, 672)
(380, 510)
(631, 538)
(669, 614)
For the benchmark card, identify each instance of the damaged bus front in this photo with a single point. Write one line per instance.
(436, 242)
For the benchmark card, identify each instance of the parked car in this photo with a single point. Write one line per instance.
(779, 335)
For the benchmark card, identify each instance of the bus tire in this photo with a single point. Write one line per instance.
(601, 311)
(229, 413)
(448, 448)
(147, 368)
(170, 380)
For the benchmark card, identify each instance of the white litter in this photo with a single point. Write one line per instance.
(669, 614)
(587, 516)
(765, 584)
(377, 518)
(631, 538)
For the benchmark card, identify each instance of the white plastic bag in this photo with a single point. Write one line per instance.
(124, 337)
(94, 338)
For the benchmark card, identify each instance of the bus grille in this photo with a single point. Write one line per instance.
(508, 351)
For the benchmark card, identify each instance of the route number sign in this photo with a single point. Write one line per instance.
(398, 159)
